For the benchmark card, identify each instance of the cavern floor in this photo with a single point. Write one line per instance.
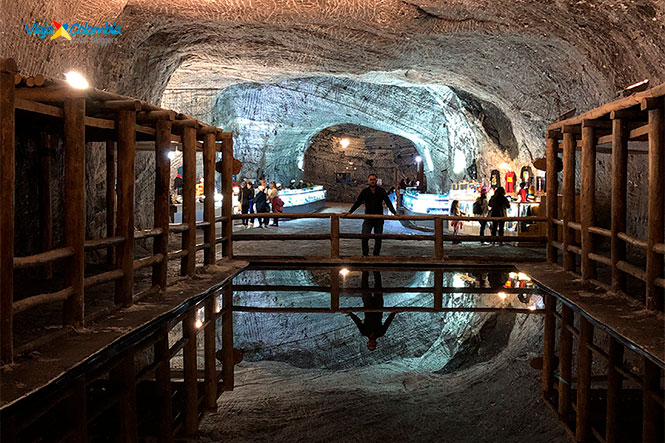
(497, 401)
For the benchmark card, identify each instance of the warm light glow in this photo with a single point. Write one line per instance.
(344, 143)
(76, 80)
(171, 155)
(523, 276)
(504, 165)
(418, 159)
(532, 308)
(218, 305)
(513, 275)
(198, 324)
(344, 272)
(502, 295)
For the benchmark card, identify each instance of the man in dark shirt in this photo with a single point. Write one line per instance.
(373, 197)
(373, 326)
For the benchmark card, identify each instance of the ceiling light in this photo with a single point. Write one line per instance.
(76, 80)
(344, 143)
(344, 272)
(418, 159)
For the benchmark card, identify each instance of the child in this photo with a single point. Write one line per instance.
(457, 224)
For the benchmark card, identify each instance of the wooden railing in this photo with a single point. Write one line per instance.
(103, 392)
(118, 121)
(631, 399)
(639, 117)
(438, 237)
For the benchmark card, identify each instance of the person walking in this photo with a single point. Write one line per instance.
(456, 224)
(261, 205)
(246, 200)
(276, 202)
(373, 197)
(499, 205)
(481, 209)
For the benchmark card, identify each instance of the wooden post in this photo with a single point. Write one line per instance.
(188, 262)
(438, 289)
(123, 380)
(190, 369)
(551, 153)
(74, 112)
(110, 197)
(656, 205)
(582, 427)
(565, 361)
(334, 236)
(619, 183)
(438, 238)
(615, 360)
(209, 157)
(548, 343)
(163, 388)
(334, 289)
(568, 204)
(210, 346)
(652, 415)
(7, 174)
(45, 212)
(126, 129)
(588, 198)
(162, 199)
(79, 409)
(227, 337)
(227, 192)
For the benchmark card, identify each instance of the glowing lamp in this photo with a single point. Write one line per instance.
(76, 80)
(344, 272)
(198, 324)
(502, 295)
(171, 155)
(344, 143)
(418, 159)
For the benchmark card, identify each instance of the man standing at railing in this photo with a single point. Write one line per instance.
(373, 197)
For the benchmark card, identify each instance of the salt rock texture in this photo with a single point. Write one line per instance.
(529, 60)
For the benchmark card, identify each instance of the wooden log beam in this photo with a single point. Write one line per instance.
(163, 387)
(103, 277)
(190, 367)
(154, 116)
(588, 199)
(43, 257)
(110, 197)
(438, 290)
(652, 412)
(438, 238)
(36, 300)
(56, 93)
(565, 362)
(551, 155)
(188, 263)
(334, 236)
(162, 198)
(210, 349)
(654, 294)
(615, 360)
(123, 383)
(631, 269)
(334, 289)
(547, 379)
(126, 134)
(227, 192)
(209, 159)
(584, 359)
(632, 240)
(73, 309)
(568, 203)
(8, 70)
(227, 337)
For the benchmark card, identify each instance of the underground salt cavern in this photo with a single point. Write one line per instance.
(342, 221)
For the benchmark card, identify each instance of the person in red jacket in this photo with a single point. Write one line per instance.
(510, 182)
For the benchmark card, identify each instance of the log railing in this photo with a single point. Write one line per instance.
(617, 390)
(106, 384)
(118, 121)
(617, 124)
(438, 237)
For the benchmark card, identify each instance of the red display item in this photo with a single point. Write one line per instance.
(510, 182)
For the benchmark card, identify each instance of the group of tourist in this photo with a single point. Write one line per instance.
(260, 200)
(497, 206)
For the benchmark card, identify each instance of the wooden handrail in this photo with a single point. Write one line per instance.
(179, 227)
(201, 246)
(91, 245)
(103, 277)
(237, 308)
(557, 221)
(533, 219)
(600, 258)
(147, 233)
(632, 270)
(659, 248)
(600, 231)
(148, 261)
(36, 300)
(632, 240)
(42, 258)
(267, 237)
(177, 254)
(575, 225)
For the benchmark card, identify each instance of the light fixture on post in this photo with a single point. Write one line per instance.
(76, 80)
